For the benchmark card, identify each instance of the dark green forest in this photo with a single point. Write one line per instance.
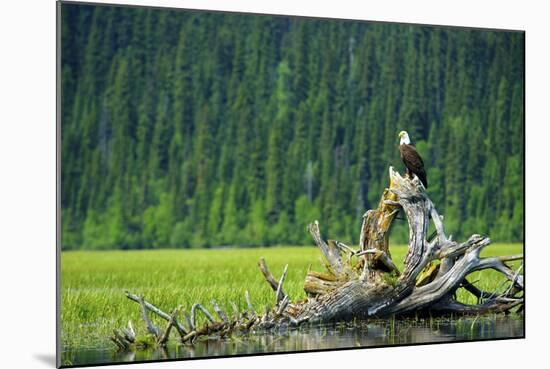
(197, 129)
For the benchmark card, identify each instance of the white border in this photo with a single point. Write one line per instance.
(27, 182)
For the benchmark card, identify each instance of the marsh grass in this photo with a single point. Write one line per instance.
(92, 283)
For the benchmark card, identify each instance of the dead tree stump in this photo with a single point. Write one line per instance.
(364, 283)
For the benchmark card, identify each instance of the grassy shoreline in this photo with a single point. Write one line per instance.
(92, 282)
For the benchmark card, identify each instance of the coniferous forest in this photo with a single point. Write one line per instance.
(197, 129)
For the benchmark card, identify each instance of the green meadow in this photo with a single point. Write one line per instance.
(93, 283)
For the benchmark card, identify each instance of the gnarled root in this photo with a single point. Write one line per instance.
(363, 283)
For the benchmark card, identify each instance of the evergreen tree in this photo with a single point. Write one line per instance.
(197, 129)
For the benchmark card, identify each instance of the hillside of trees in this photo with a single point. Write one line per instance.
(195, 129)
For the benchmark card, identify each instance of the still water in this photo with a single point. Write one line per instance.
(348, 335)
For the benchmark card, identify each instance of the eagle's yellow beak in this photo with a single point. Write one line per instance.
(401, 134)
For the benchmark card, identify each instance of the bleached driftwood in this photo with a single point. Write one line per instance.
(366, 283)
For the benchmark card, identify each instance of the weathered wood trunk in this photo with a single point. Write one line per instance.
(365, 283)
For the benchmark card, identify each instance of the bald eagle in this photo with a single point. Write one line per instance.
(412, 160)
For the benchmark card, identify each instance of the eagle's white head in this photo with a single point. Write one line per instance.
(404, 138)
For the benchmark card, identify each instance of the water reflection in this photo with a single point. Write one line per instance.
(363, 334)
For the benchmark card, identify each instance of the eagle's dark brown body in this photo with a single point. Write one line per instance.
(413, 162)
